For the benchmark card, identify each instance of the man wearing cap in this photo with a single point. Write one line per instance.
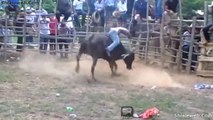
(44, 32)
(13, 6)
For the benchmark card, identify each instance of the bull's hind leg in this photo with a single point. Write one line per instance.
(93, 68)
(78, 59)
(116, 66)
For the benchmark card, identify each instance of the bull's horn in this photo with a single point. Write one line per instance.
(124, 55)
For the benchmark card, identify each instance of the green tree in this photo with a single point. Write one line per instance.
(49, 5)
(189, 5)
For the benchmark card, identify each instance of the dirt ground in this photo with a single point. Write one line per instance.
(40, 87)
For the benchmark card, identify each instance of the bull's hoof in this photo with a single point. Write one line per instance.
(77, 69)
(115, 75)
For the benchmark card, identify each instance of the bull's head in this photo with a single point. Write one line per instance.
(128, 59)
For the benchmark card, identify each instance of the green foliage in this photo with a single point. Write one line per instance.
(189, 5)
(49, 5)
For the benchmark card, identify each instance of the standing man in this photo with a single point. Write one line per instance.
(44, 33)
(122, 9)
(110, 6)
(99, 7)
(78, 10)
(53, 31)
(130, 4)
(171, 5)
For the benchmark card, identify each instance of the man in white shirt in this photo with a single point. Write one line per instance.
(44, 32)
(99, 7)
(110, 7)
(78, 10)
(122, 9)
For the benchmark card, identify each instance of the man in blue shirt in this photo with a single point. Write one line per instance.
(12, 6)
(140, 8)
(110, 6)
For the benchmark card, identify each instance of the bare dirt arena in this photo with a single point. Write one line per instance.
(40, 87)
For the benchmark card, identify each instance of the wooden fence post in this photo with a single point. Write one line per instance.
(191, 46)
(147, 36)
(24, 30)
(179, 56)
(5, 39)
(205, 13)
(162, 44)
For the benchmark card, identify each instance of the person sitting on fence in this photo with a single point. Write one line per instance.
(78, 10)
(44, 33)
(186, 49)
(99, 10)
(12, 6)
(158, 10)
(114, 36)
(141, 8)
(122, 9)
(206, 33)
(64, 31)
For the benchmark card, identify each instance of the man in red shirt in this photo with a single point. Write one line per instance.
(53, 32)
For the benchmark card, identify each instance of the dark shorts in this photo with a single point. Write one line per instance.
(12, 7)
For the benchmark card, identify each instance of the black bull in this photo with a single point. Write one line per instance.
(95, 46)
(63, 7)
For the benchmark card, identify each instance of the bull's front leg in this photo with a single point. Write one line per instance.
(113, 66)
(93, 68)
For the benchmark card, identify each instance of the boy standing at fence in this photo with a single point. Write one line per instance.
(44, 33)
(53, 32)
(63, 32)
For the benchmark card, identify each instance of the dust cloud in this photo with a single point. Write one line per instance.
(148, 76)
(42, 64)
(39, 64)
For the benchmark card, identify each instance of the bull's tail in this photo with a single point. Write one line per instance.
(83, 49)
